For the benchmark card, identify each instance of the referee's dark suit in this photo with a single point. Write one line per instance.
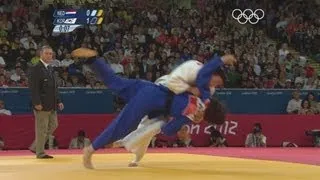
(45, 100)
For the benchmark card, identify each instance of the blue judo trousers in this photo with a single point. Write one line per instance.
(142, 98)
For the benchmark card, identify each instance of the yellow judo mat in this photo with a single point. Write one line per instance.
(154, 166)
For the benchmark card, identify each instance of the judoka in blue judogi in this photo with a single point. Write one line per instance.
(146, 98)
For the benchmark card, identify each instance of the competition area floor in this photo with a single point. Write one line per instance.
(167, 164)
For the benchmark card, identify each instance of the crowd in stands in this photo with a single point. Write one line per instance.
(304, 106)
(146, 42)
(298, 24)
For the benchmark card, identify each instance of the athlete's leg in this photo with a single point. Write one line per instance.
(123, 142)
(140, 146)
(138, 141)
(146, 100)
(149, 129)
(125, 88)
(132, 141)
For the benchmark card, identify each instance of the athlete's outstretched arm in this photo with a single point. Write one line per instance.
(205, 74)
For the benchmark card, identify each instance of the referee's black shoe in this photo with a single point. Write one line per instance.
(45, 156)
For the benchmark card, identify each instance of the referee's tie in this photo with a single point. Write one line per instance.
(50, 70)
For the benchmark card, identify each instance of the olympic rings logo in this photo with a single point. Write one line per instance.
(248, 15)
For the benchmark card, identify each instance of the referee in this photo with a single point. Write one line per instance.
(45, 101)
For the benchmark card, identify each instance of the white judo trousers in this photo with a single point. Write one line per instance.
(139, 140)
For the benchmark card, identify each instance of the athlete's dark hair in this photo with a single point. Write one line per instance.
(215, 112)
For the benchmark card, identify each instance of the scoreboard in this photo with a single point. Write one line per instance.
(67, 20)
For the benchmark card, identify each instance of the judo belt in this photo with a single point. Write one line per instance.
(169, 101)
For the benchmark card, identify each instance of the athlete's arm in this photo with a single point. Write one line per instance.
(205, 74)
(173, 126)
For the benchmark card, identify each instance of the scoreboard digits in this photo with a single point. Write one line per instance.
(65, 28)
(68, 20)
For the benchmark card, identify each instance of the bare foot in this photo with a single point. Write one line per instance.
(87, 156)
(83, 53)
(138, 153)
(133, 164)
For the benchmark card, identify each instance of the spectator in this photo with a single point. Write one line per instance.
(310, 71)
(315, 134)
(3, 82)
(2, 62)
(67, 61)
(55, 62)
(309, 85)
(316, 82)
(163, 141)
(216, 139)
(289, 144)
(305, 108)
(115, 65)
(16, 74)
(36, 58)
(288, 84)
(256, 138)
(301, 79)
(4, 111)
(28, 42)
(183, 138)
(314, 105)
(294, 104)
(80, 141)
(283, 52)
